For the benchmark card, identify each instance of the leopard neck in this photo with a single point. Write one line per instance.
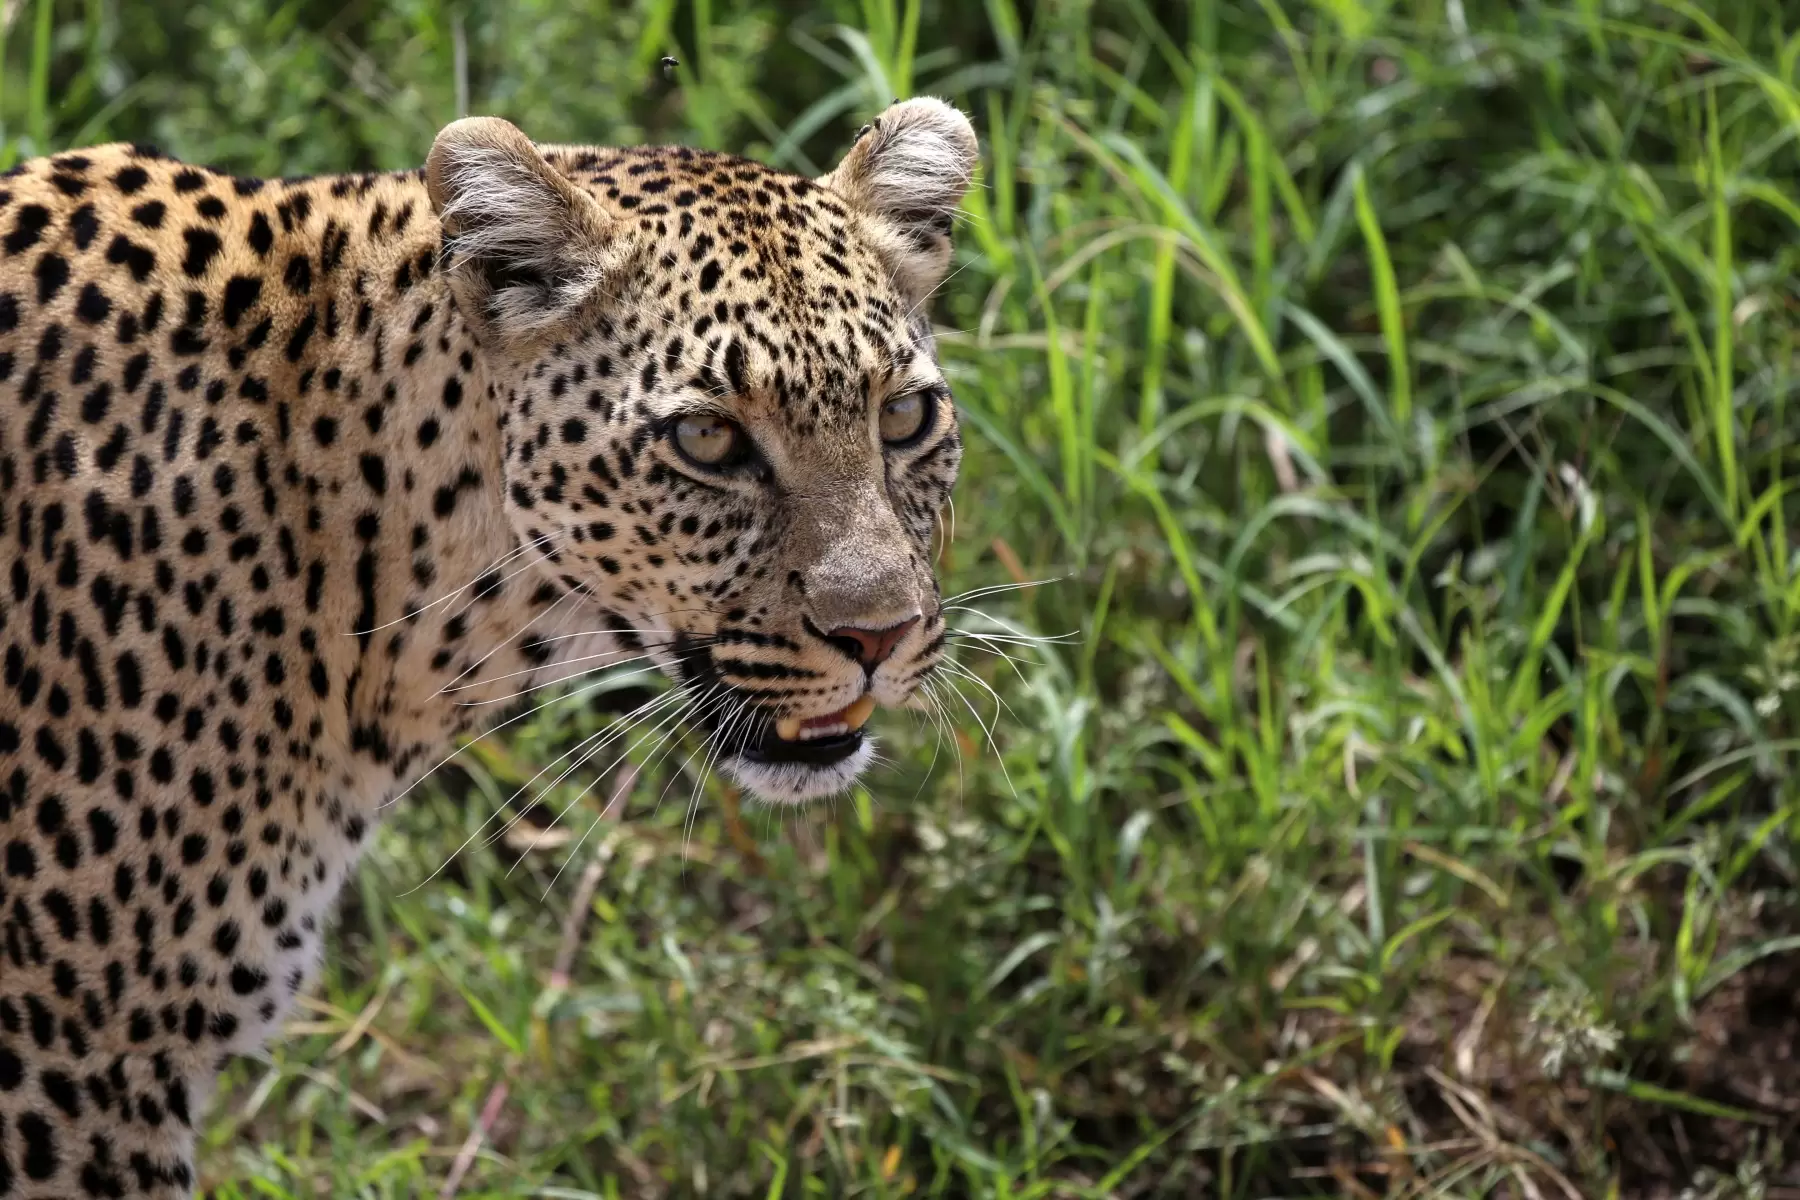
(427, 607)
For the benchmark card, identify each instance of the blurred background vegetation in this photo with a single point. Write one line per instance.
(1397, 395)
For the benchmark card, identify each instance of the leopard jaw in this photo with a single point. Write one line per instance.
(794, 729)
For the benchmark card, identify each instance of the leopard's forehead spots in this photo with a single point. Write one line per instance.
(764, 285)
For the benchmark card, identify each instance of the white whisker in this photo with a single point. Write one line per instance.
(530, 688)
(470, 840)
(666, 728)
(958, 669)
(476, 665)
(998, 588)
(715, 702)
(709, 747)
(986, 731)
(455, 592)
(1012, 660)
(586, 750)
(1011, 639)
(1009, 630)
(720, 740)
(948, 727)
(487, 733)
(530, 566)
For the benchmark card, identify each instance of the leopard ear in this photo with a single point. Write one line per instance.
(525, 247)
(908, 171)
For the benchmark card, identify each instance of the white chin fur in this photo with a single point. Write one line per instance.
(797, 783)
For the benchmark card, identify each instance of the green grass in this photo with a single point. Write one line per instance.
(1399, 395)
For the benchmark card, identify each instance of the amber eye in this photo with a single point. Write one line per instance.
(904, 418)
(708, 441)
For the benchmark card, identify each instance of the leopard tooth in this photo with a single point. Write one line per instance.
(858, 713)
(788, 729)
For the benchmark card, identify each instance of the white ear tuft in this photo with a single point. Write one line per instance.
(526, 247)
(908, 169)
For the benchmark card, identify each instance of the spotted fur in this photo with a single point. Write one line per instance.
(297, 475)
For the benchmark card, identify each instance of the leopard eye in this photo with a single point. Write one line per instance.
(708, 441)
(904, 418)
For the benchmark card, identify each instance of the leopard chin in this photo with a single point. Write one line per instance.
(793, 782)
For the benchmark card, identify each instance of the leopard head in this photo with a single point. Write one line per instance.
(723, 415)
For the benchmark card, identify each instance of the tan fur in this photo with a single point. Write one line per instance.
(286, 503)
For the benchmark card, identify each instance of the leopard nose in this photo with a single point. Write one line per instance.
(870, 647)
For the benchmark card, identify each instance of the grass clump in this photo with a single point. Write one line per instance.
(1399, 397)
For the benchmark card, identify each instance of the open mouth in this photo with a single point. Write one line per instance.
(814, 741)
(780, 760)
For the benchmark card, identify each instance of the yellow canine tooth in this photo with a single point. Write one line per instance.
(857, 713)
(788, 729)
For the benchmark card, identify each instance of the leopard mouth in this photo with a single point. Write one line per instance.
(813, 741)
(781, 760)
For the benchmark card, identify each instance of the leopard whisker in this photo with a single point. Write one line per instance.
(613, 629)
(928, 296)
(530, 566)
(692, 808)
(551, 683)
(585, 751)
(721, 735)
(1013, 639)
(448, 596)
(708, 609)
(668, 740)
(720, 740)
(947, 729)
(682, 710)
(526, 691)
(649, 655)
(715, 702)
(957, 669)
(922, 715)
(1012, 660)
(476, 665)
(1000, 643)
(1008, 629)
(987, 731)
(997, 588)
(491, 731)
(470, 840)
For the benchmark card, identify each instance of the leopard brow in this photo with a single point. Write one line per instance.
(704, 408)
(915, 382)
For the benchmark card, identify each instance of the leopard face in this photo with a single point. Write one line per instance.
(722, 414)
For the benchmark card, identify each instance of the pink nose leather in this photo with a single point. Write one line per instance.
(873, 645)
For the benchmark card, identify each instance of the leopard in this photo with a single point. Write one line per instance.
(304, 482)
